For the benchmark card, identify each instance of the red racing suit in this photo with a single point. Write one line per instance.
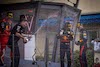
(4, 36)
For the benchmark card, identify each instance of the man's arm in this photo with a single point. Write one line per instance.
(60, 34)
(21, 36)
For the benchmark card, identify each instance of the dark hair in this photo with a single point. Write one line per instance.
(22, 18)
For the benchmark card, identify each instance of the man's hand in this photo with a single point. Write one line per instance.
(77, 43)
(25, 40)
(21, 36)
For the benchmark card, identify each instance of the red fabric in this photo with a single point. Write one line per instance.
(81, 51)
(82, 48)
(65, 39)
(4, 41)
(4, 36)
(96, 65)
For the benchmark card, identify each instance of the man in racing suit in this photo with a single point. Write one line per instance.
(5, 26)
(65, 38)
(83, 46)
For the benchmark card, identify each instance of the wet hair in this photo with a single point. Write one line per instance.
(22, 18)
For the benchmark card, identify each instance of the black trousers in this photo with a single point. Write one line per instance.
(83, 60)
(65, 49)
(15, 54)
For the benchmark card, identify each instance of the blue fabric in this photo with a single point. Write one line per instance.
(91, 18)
(84, 19)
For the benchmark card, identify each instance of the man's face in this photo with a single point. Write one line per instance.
(24, 23)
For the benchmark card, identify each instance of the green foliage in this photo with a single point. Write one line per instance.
(76, 59)
(90, 58)
(89, 55)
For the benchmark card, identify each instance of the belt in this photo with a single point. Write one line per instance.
(66, 43)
